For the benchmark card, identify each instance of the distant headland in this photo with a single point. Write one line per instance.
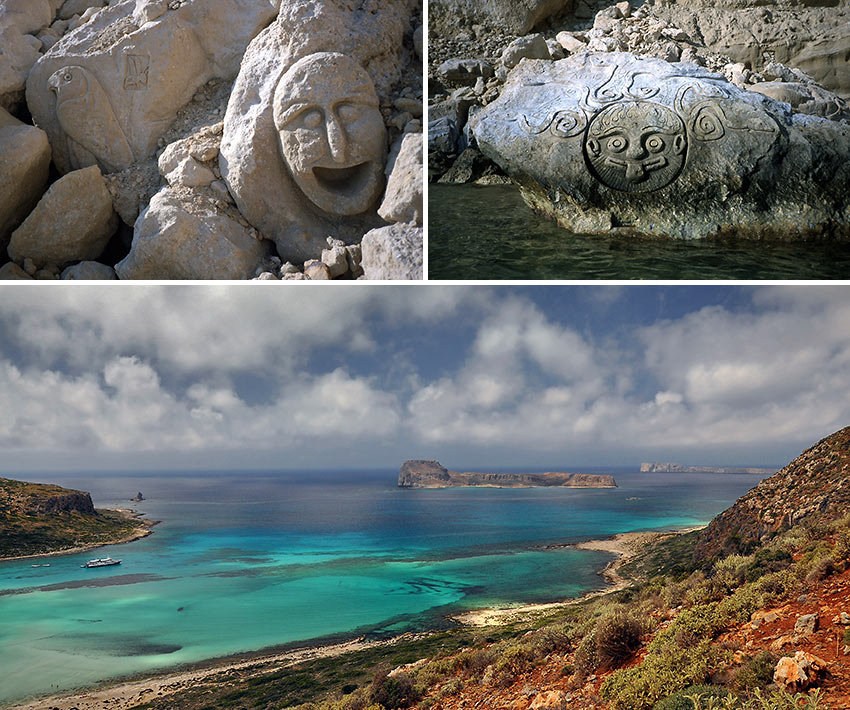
(432, 474)
(667, 467)
(42, 519)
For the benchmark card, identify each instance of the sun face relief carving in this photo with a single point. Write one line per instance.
(332, 135)
(636, 146)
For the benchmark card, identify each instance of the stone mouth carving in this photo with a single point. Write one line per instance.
(331, 132)
(348, 180)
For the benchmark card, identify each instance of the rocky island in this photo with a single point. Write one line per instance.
(432, 474)
(667, 467)
(41, 519)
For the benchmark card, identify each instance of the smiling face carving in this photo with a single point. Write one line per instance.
(332, 135)
(636, 146)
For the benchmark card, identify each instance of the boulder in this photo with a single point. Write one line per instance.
(529, 47)
(72, 222)
(108, 91)
(89, 271)
(18, 53)
(798, 673)
(78, 7)
(403, 198)
(24, 166)
(184, 235)
(393, 252)
(611, 143)
(509, 16)
(806, 624)
(300, 164)
(464, 72)
(10, 271)
(549, 700)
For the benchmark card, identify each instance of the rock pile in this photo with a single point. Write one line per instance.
(211, 139)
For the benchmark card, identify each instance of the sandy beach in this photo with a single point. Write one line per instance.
(136, 692)
(624, 545)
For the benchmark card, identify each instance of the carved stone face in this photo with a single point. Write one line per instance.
(332, 135)
(636, 146)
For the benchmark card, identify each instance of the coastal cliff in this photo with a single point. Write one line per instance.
(39, 519)
(425, 473)
(814, 486)
(667, 467)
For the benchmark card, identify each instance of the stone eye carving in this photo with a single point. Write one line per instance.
(636, 146)
(331, 133)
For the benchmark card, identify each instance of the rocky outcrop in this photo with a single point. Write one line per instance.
(25, 161)
(72, 222)
(108, 91)
(514, 16)
(814, 486)
(611, 143)
(678, 468)
(432, 474)
(799, 672)
(39, 499)
(68, 503)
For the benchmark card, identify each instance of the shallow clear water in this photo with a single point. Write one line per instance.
(488, 232)
(246, 561)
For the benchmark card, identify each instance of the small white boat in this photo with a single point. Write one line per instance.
(101, 562)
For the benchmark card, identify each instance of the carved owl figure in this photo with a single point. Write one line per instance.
(86, 117)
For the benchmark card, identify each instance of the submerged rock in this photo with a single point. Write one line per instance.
(611, 142)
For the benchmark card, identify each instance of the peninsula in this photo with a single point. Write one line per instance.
(667, 467)
(432, 474)
(44, 519)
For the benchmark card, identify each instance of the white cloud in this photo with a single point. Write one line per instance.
(154, 369)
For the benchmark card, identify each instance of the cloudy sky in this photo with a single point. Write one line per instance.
(478, 377)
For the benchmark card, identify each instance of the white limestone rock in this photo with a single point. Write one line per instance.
(403, 201)
(298, 169)
(24, 166)
(89, 271)
(72, 222)
(112, 87)
(393, 253)
(182, 235)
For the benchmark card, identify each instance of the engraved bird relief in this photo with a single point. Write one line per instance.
(85, 115)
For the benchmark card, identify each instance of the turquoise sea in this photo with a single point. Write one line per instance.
(245, 561)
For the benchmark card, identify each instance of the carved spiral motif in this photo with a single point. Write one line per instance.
(568, 123)
(707, 124)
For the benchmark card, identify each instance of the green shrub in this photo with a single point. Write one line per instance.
(512, 661)
(586, 661)
(846, 637)
(767, 560)
(662, 673)
(756, 672)
(617, 638)
(393, 692)
(822, 569)
(681, 699)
